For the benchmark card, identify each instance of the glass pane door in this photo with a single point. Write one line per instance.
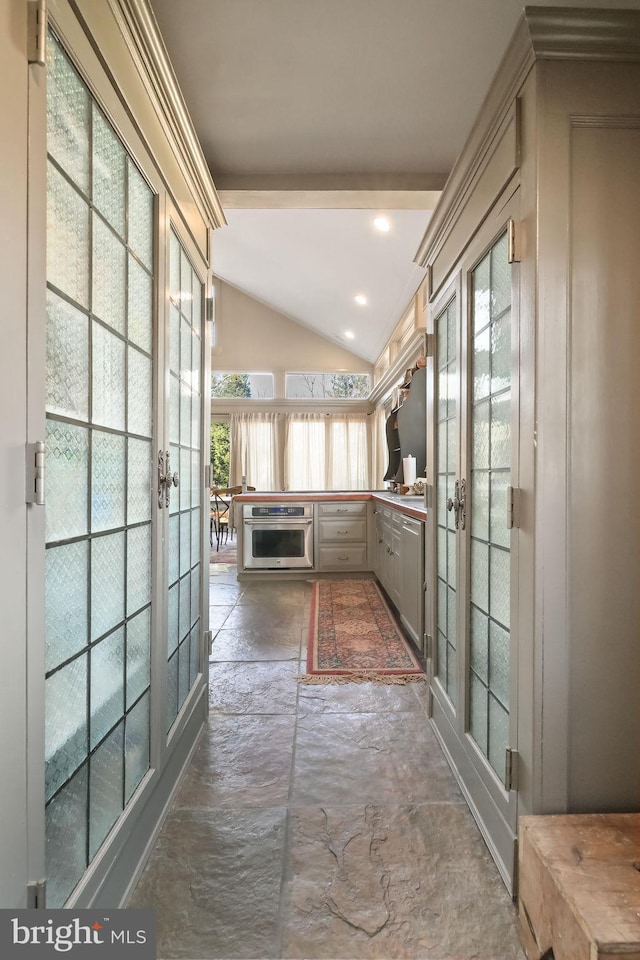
(446, 444)
(100, 356)
(490, 426)
(186, 358)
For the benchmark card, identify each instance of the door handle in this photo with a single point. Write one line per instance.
(457, 503)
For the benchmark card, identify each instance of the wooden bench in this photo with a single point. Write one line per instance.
(579, 886)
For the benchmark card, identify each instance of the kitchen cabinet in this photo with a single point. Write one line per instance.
(412, 579)
(400, 566)
(341, 536)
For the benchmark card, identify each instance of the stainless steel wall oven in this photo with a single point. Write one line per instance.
(277, 536)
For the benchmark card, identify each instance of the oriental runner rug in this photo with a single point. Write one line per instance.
(353, 637)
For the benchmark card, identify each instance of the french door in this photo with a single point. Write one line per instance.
(474, 441)
(125, 498)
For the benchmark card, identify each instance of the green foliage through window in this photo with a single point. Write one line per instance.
(220, 454)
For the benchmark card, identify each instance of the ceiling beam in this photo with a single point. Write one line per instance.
(331, 192)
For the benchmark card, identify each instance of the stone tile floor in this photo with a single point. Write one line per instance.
(316, 822)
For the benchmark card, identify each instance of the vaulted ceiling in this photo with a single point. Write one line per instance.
(316, 116)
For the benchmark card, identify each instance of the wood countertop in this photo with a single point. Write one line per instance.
(411, 506)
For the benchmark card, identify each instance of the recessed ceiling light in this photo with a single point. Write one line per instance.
(382, 224)
(360, 298)
(349, 335)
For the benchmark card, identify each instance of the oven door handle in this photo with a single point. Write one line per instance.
(271, 523)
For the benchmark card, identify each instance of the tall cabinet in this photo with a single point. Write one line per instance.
(533, 451)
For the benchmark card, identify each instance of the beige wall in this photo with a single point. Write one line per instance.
(251, 336)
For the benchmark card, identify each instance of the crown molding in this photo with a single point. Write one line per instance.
(142, 36)
(565, 33)
(543, 33)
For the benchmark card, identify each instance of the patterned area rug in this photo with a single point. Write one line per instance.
(353, 637)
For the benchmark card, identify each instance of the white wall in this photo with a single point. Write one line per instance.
(250, 336)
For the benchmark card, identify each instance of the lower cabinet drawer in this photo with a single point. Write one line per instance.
(349, 557)
(343, 530)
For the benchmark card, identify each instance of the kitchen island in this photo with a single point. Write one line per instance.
(338, 533)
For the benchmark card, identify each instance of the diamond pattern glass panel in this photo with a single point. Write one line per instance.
(442, 553)
(67, 470)
(195, 537)
(138, 653)
(174, 340)
(107, 583)
(498, 736)
(108, 172)
(67, 116)
(136, 746)
(139, 481)
(499, 532)
(185, 542)
(186, 365)
(172, 689)
(108, 378)
(66, 848)
(174, 547)
(107, 685)
(480, 574)
(109, 268)
(173, 617)
(480, 504)
(451, 617)
(499, 662)
(186, 296)
(490, 473)
(500, 277)
(185, 606)
(67, 359)
(442, 606)
(140, 216)
(66, 589)
(106, 777)
(500, 585)
(174, 410)
(481, 295)
(194, 667)
(67, 238)
(479, 644)
(93, 473)
(452, 556)
(501, 430)
(195, 594)
(138, 568)
(174, 268)
(140, 306)
(501, 354)
(107, 480)
(65, 723)
(185, 415)
(184, 655)
(139, 403)
(478, 710)
(185, 478)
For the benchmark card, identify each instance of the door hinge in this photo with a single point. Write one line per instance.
(37, 31)
(513, 507)
(514, 241)
(34, 472)
(428, 645)
(207, 476)
(511, 769)
(37, 895)
(429, 346)
(208, 309)
(208, 641)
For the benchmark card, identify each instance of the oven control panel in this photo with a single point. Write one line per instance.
(289, 511)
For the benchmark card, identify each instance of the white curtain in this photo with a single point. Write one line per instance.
(326, 452)
(305, 453)
(256, 450)
(348, 453)
(379, 450)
